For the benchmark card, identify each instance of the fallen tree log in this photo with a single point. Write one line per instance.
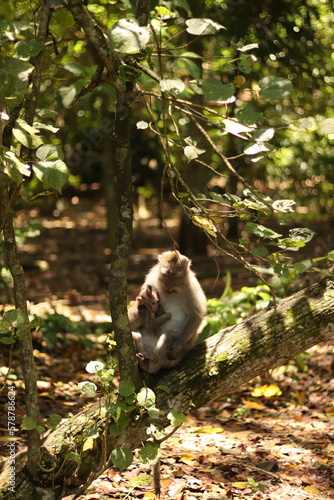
(212, 369)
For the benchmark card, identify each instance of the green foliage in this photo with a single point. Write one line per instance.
(255, 485)
(176, 419)
(53, 421)
(14, 326)
(146, 398)
(251, 104)
(55, 327)
(29, 424)
(150, 453)
(121, 457)
(234, 307)
(128, 37)
(88, 389)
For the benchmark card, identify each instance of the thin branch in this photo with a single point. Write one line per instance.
(97, 38)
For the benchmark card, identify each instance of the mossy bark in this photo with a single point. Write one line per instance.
(212, 369)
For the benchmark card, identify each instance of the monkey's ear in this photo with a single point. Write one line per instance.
(139, 300)
(149, 289)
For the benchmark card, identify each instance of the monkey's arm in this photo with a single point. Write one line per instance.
(154, 322)
(134, 317)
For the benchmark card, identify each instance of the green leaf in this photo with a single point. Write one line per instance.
(260, 251)
(176, 419)
(183, 4)
(191, 152)
(284, 206)
(94, 366)
(53, 173)
(20, 69)
(46, 113)
(246, 62)
(76, 68)
(146, 397)
(301, 234)
(192, 68)
(164, 13)
(28, 423)
(126, 388)
(150, 453)
(121, 457)
(262, 231)
(248, 115)
(53, 421)
(46, 126)
(215, 90)
(88, 389)
(49, 152)
(64, 18)
(115, 430)
(236, 128)
(7, 340)
(202, 26)
(196, 86)
(172, 86)
(28, 49)
(300, 267)
(274, 88)
(263, 135)
(26, 134)
(71, 455)
(128, 37)
(15, 317)
(256, 148)
(23, 168)
(67, 95)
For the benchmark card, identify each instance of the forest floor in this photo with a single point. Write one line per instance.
(261, 444)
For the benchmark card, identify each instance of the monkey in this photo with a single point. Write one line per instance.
(182, 297)
(146, 312)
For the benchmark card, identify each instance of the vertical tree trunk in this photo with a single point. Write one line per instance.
(120, 254)
(20, 297)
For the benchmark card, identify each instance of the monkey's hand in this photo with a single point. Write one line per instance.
(173, 350)
(147, 355)
(151, 357)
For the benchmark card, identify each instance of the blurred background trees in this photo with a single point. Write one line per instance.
(290, 40)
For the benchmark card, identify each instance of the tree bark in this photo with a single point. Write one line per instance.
(123, 174)
(20, 299)
(212, 369)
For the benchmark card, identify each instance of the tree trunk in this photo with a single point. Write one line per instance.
(212, 369)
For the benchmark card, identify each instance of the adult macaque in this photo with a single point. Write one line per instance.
(182, 297)
(147, 313)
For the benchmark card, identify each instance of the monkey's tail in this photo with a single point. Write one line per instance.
(156, 479)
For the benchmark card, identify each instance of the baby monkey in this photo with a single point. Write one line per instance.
(146, 312)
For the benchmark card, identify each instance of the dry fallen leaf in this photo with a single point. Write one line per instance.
(241, 485)
(253, 405)
(267, 391)
(176, 490)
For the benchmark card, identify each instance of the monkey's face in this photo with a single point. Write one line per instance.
(154, 306)
(173, 277)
